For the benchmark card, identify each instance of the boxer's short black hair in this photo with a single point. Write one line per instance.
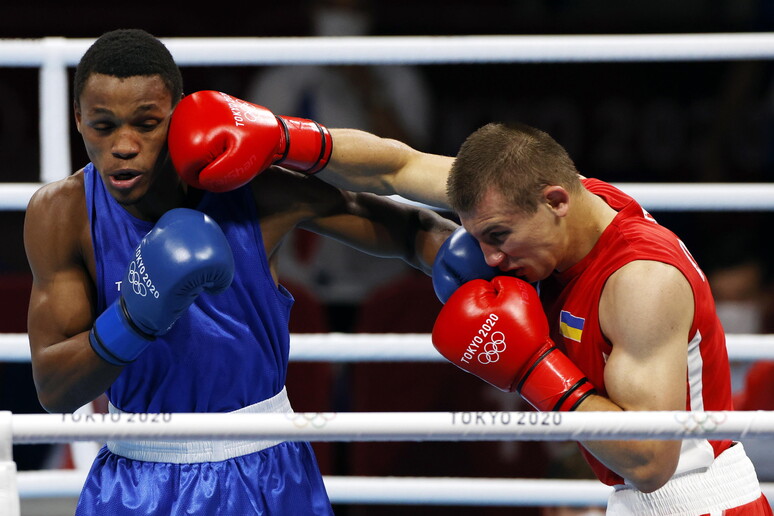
(128, 53)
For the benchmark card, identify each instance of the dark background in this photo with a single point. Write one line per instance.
(643, 122)
(676, 121)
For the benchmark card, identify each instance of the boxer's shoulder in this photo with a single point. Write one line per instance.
(56, 213)
(63, 193)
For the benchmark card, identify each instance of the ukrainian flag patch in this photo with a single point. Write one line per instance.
(571, 326)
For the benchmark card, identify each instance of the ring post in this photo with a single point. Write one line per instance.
(9, 490)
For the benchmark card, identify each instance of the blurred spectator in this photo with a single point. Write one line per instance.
(390, 101)
(743, 297)
(738, 276)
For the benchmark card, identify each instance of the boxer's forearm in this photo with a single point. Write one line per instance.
(367, 163)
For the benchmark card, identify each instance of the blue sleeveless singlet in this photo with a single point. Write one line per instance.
(226, 352)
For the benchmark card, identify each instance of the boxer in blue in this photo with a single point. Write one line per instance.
(165, 296)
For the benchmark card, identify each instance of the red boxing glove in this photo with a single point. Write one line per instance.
(218, 142)
(497, 331)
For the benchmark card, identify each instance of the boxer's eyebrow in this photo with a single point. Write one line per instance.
(147, 107)
(101, 111)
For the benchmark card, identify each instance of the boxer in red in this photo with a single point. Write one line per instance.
(585, 303)
(620, 318)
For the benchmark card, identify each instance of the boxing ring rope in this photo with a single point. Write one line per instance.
(392, 347)
(236, 51)
(391, 426)
(388, 490)
(654, 197)
(52, 56)
(457, 491)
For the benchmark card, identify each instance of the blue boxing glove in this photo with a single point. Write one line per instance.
(185, 254)
(458, 261)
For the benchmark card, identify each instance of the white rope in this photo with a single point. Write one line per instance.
(50, 483)
(654, 197)
(16, 196)
(702, 196)
(395, 426)
(386, 490)
(477, 491)
(14, 347)
(419, 49)
(418, 347)
(466, 491)
(392, 347)
(475, 49)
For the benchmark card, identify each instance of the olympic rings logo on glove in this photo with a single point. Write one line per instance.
(139, 278)
(134, 279)
(493, 348)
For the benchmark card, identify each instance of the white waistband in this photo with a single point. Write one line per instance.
(187, 452)
(729, 482)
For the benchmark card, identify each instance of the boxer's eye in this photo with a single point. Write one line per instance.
(148, 124)
(103, 127)
(497, 237)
